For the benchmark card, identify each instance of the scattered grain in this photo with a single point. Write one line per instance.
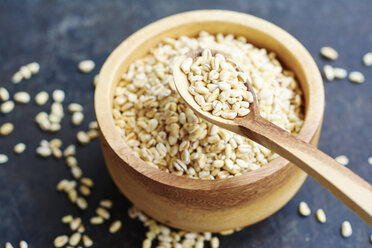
(346, 229)
(84, 190)
(66, 185)
(19, 148)
(215, 242)
(356, 77)
(44, 151)
(77, 118)
(133, 212)
(22, 97)
(3, 158)
(227, 232)
(34, 67)
(321, 216)
(304, 209)
(42, 120)
(87, 181)
(75, 107)
(25, 72)
(72, 195)
(106, 203)
(52, 121)
(56, 152)
(8, 245)
(76, 172)
(17, 77)
(367, 59)
(41, 98)
(95, 80)
(329, 53)
(83, 138)
(58, 96)
(342, 159)
(70, 185)
(115, 226)
(339, 73)
(61, 241)
(69, 151)
(81, 203)
(87, 241)
(6, 129)
(44, 143)
(96, 220)
(67, 219)
(23, 244)
(4, 94)
(57, 143)
(147, 243)
(62, 184)
(328, 72)
(7, 107)
(93, 134)
(86, 66)
(55, 127)
(71, 161)
(75, 239)
(74, 225)
(93, 125)
(103, 213)
(81, 228)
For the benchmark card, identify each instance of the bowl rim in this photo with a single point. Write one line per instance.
(108, 129)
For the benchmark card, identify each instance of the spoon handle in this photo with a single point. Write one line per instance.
(348, 187)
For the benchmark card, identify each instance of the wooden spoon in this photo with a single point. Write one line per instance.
(351, 189)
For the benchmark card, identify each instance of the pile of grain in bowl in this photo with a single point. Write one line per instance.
(165, 132)
(217, 84)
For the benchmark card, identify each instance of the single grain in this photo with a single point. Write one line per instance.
(41, 98)
(329, 53)
(22, 97)
(342, 159)
(87, 241)
(58, 96)
(86, 66)
(321, 216)
(356, 77)
(7, 107)
(346, 229)
(115, 226)
(61, 241)
(6, 129)
(3, 158)
(367, 59)
(304, 209)
(19, 148)
(4, 94)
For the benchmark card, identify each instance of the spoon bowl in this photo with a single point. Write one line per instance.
(182, 86)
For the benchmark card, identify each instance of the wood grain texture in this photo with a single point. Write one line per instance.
(201, 205)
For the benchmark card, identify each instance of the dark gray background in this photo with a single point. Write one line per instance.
(58, 34)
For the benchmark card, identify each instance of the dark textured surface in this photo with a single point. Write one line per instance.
(58, 34)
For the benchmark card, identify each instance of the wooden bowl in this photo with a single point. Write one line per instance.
(203, 205)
